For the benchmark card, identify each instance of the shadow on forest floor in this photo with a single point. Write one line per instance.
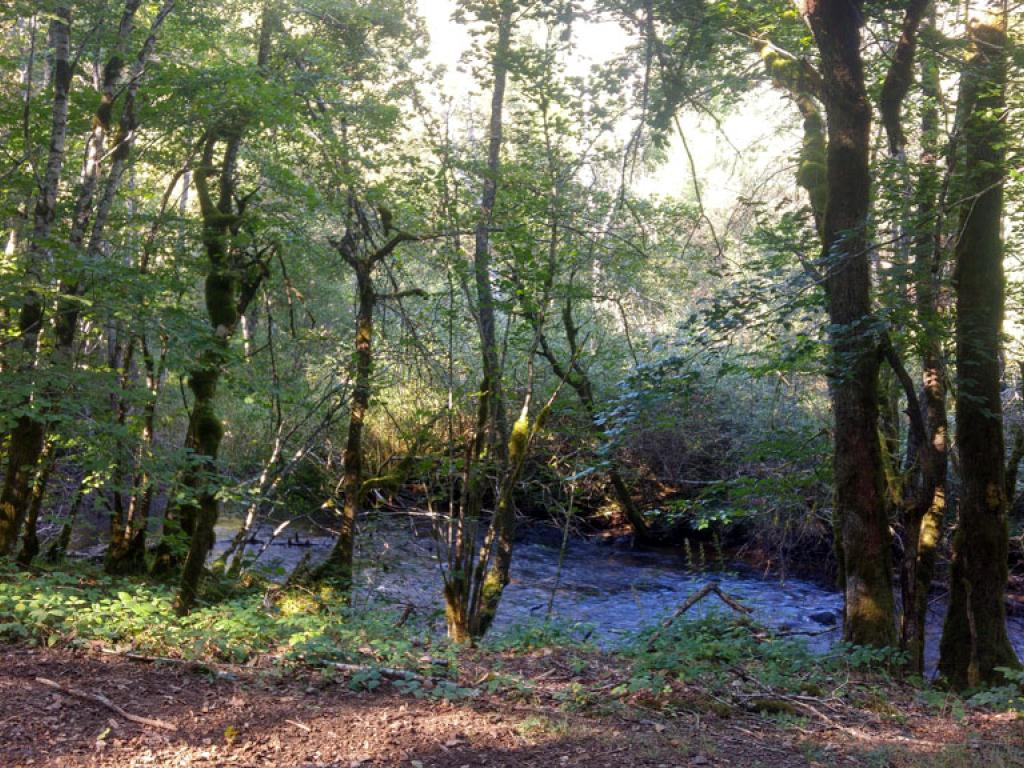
(265, 719)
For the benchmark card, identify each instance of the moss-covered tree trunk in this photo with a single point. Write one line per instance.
(198, 516)
(26, 439)
(924, 502)
(482, 243)
(337, 569)
(860, 513)
(974, 637)
(368, 240)
(919, 493)
(229, 287)
(30, 538)
(494, 563)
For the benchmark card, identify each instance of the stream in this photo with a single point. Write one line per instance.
(607, 590)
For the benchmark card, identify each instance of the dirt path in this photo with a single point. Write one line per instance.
(263, 720)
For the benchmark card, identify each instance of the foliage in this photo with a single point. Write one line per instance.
(1003, 697)
(82, 606)
(736, 660)
(534, 635)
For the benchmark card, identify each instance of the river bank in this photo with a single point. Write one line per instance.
(599, 589)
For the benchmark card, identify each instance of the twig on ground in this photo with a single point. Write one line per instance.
(101, 699)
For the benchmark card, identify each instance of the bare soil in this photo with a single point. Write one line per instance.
(300, 719)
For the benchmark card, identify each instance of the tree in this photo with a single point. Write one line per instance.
(472, 592)
(923, 502)
(26, 441)
(233, 279)
(974, 638)
(369, 238)
(860, 513)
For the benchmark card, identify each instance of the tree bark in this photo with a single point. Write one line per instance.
(860, 514)
(30, 539)
(482, 247)
(924, 499)
(26, 439)
(468, 591)
(337, 569)
(205, 431)
(974, 637)
(227, 296)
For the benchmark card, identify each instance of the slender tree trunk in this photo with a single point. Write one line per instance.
(30, 539)
(494, 564)
(921, 499)
(577, 378)
(924, 503)
(860, 514)
(337, 569)
(26, 439)
(58, 548)
(974, 638)
(86, 204)
(464, 590)
(482, 249)
(127, 550)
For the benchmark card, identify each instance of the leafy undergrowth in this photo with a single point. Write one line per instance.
(737, 664)
(733, 668)
(717, 664)
(247, 625)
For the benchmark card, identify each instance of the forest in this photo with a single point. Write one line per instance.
(511, 383)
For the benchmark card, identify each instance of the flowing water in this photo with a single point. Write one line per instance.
(609, 591)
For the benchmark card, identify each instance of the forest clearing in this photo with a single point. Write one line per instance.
(511, 383)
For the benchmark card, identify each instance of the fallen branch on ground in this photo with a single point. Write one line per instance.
(101, 699)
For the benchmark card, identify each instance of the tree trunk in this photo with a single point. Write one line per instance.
(226, 300)
(481, 252)
(30, 539)
(576, 377)
(59, 546)
(26, 439)
(974, 637)
(464, 592)
(924, 502)
(337, 569)
(199, 516)
(921, 499)
(860, 514)
(127, 551)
